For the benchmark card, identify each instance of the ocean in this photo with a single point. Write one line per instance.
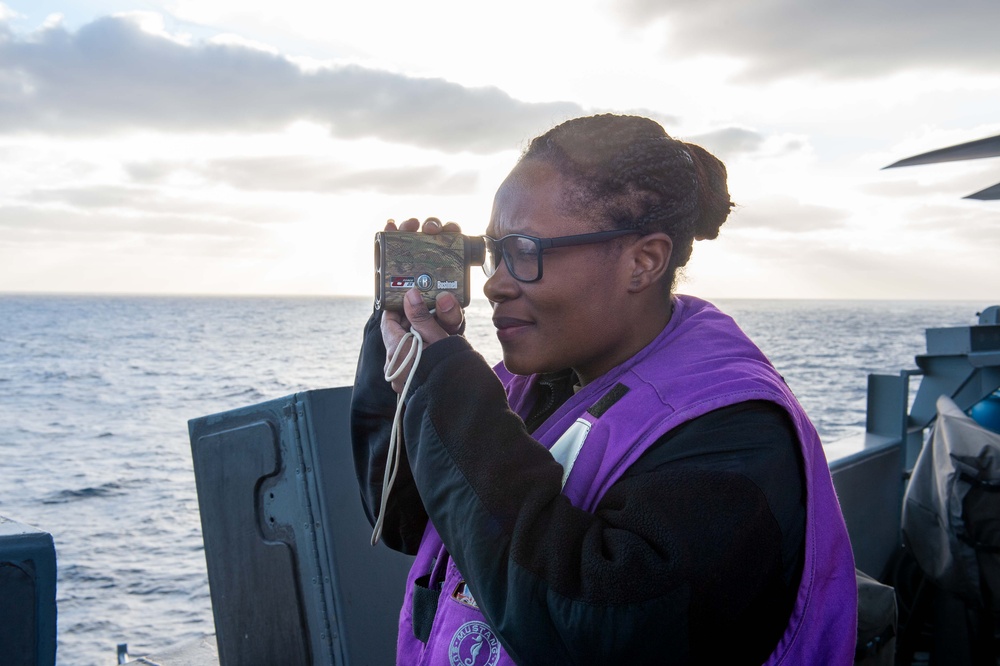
(96, 392)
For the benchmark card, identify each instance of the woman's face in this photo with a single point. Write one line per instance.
(579, 315)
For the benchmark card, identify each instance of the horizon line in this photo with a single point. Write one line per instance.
(127, 294)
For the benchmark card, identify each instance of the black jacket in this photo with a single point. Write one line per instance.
(693, 556)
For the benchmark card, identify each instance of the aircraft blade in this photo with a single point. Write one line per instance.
(989, 194)
(972, 150)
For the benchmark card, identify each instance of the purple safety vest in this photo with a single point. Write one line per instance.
(700, 362)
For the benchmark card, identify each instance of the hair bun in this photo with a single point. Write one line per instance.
(713, 193)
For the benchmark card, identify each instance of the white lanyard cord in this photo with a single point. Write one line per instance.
(394, 370)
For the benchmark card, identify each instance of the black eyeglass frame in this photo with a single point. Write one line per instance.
(542, 244)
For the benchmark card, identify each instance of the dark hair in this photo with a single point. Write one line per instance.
(629, 171)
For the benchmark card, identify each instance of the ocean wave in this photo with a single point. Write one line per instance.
(78, 573)
(247, 392)
(62, 376)
(109, 489)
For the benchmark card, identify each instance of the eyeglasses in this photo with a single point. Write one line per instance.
(523, 254)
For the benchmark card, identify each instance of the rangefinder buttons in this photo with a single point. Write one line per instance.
(424, 282)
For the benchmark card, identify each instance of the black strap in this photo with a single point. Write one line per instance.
(616, 393)
(425, 602)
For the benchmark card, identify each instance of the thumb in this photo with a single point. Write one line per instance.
(448, 312)
(421, 319)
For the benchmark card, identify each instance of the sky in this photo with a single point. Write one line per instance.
(251, 147)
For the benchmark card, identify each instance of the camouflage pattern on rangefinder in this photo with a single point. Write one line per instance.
(431, 263)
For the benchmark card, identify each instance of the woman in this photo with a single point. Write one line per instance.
(634, 483)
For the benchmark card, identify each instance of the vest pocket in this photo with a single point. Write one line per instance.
(425, 601)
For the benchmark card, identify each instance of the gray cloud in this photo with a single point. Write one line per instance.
(292, 173)
(728, 142)
(151, 171)
(963, 220)
(854, 39)
(786, 214)
(110, 76)
(106, 196)
(304, 174)
(147, 201)
(867, 270)
(33, 221)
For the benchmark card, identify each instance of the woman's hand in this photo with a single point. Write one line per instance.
(432, 225)
(447, 317)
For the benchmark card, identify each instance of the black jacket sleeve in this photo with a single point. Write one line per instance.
(683, 560)
(373, 405)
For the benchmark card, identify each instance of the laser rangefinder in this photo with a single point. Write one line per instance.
(433, 263)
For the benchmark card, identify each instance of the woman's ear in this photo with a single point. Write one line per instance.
(650, 257)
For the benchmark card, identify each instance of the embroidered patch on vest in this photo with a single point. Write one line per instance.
(474, 644)
(616, 393)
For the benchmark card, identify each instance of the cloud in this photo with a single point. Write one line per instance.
(966, 221)
(294, 173)
(6, 14)
(852, 39)
(894, 189)
(730, 141)
(144, 201)
(306, 174)
(783, 213)
(112, 76)
(98, 197)
(799, 267)
(920, 184)
(20, 222)
(151, 171)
